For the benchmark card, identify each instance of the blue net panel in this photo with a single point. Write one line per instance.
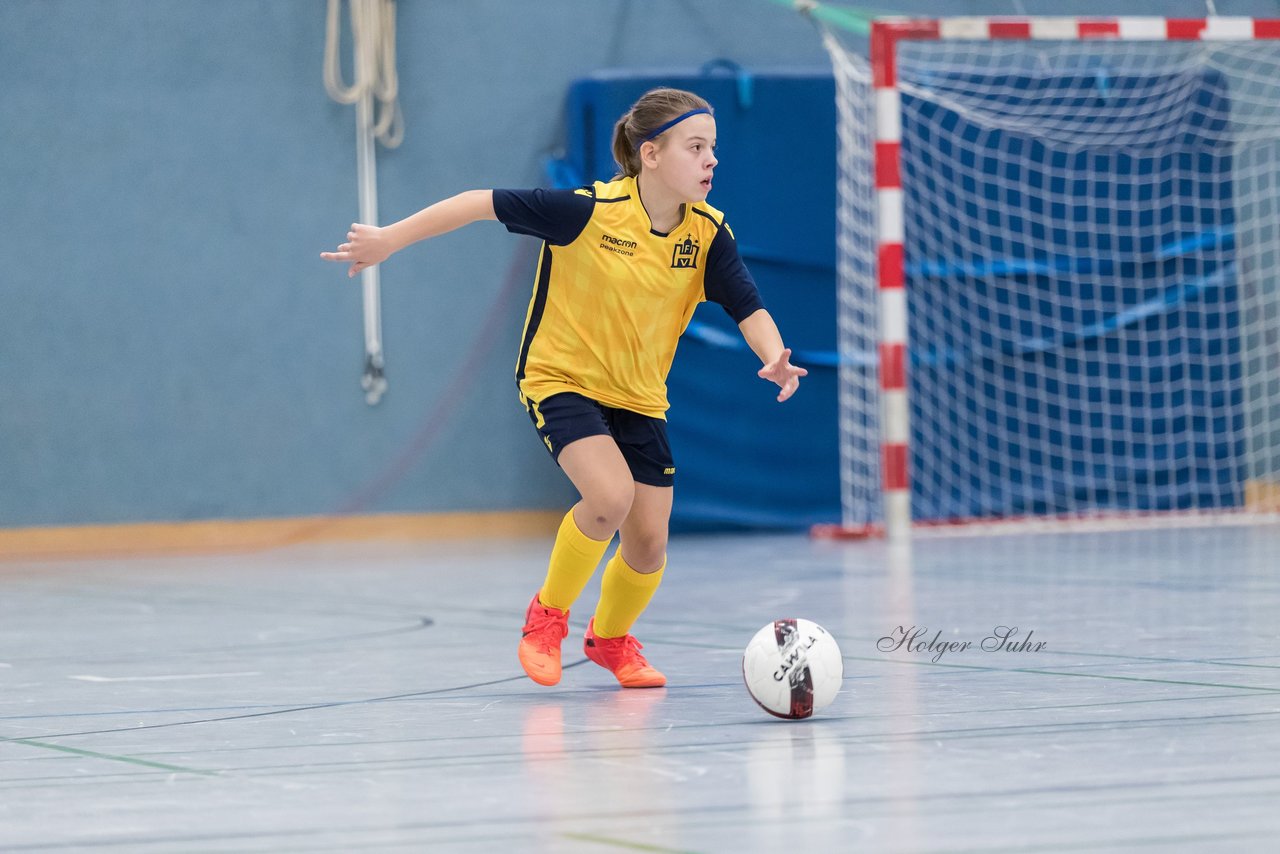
(1070, 261)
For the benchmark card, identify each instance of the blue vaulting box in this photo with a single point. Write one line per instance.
(743, 459)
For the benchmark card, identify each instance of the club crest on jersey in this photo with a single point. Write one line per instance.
(685, 254)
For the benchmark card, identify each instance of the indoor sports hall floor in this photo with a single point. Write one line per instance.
(362, 697)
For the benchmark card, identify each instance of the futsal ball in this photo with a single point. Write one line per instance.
(793, 668)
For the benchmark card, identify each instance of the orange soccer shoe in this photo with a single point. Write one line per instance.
(622, 657)
(544, 628)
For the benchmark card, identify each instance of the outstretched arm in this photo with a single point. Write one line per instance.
(368, 244)
(763, 337)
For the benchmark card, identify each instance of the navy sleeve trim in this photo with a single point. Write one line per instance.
(707, 215)
(728, 282)
(556, 216)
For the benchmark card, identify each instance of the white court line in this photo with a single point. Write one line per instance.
(174, 678)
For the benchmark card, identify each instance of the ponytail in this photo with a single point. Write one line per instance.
(624, 151)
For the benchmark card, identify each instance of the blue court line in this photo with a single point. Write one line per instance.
(489, 737)
(116, 712)
(867, 639)
(831, 725)
(305, 708)
(1156, 658)
(1079, 675)
(1177, 840)
(419, 624)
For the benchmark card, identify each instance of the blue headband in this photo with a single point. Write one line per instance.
(677, 120)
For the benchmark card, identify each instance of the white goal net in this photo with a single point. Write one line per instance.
(1091, 263)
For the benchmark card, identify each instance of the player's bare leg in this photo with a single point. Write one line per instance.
(600, 474)
(596, 467)
(630, 579)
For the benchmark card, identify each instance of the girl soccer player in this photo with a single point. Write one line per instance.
(624, 263)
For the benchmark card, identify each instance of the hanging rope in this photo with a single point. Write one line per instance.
(373, 30)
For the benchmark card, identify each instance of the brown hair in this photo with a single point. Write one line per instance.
(651, 111)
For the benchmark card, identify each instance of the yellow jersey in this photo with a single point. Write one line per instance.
(612, 296)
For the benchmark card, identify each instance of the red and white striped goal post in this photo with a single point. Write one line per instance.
(885, 36)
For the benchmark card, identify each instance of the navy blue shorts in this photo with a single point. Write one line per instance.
(566, 417)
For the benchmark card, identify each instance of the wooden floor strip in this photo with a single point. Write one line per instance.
(231, 535)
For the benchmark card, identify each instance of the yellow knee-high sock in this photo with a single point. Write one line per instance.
(574, 559)
(624, 594)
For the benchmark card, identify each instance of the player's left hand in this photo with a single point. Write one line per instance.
(366, 246)
(786, 375)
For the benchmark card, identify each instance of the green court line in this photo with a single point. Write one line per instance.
(131, 760)
(622, 843)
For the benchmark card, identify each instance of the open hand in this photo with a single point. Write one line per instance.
(786, 375)
(366, 245)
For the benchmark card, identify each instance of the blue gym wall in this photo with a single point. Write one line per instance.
(172, 348)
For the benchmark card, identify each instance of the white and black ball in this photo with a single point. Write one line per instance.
(793, 668)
